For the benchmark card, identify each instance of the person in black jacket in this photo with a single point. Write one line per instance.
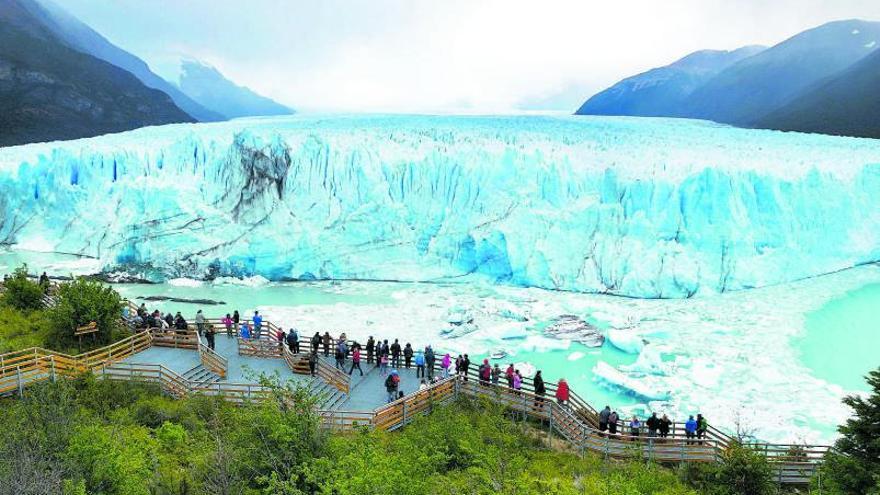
(653, 425)
(407, 355)
(665, 423)
(371, 347)
(465, 367)
(395, 354)
(540, 390)
(313, 361)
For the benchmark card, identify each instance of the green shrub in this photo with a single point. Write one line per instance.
(21, 292)
(82, 301)
(740, 471)
(854, 466)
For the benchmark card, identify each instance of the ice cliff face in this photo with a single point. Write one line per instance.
(638, 207)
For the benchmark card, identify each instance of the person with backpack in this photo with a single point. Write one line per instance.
(258, 324)
(356, 360)
(395, 354)
(485, 373)
(327, 340)
(603, 418)
(245, 331)
(392, 383)
(496, 374)
(341, 351)
(420, 365)
(613, 419)
(540, 390)
(429, 361)
(407, 355)
(293, 341)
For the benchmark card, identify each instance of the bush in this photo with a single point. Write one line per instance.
(854, 468)
(21, 292)
(82, 301)
(741, 471)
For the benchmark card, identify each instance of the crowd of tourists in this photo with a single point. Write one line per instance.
(390, 356)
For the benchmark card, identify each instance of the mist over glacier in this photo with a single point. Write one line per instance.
(635, 207)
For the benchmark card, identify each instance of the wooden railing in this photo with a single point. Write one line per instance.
(211, 360)
(178, 386)
(402, 411)
(335, 377)
(21, 368)
(178, 339)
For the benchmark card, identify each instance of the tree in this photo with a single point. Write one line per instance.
(81, 301)
(21, 292)
(853, 467)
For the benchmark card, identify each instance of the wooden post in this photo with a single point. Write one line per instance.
(53, 367)
(20, 385)
(404, 414)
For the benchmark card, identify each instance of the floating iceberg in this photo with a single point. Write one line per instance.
(638, 207)
(638, 387)
(626, 339)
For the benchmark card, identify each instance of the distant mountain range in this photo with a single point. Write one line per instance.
(803, 83)
(206, 85)
(60, 79)
(663, 92)
(50, 91)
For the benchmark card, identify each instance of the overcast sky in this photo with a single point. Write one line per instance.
(442, 55)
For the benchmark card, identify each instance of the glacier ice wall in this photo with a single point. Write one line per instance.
(637, 207)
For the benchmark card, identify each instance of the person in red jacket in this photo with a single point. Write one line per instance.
(562, 391)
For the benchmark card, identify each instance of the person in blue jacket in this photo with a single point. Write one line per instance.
(420, 365)
(258, 324)
(690, 428)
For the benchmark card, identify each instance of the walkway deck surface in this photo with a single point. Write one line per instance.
(367, 391)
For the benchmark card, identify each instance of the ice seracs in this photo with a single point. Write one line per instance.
(652, 208)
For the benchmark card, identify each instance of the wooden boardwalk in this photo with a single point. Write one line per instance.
(181, 364)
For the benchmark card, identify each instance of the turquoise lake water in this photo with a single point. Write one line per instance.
(841, 342)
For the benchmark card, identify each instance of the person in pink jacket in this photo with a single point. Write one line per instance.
(447, 362)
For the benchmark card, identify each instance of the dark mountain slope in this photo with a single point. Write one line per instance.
(83, 38)
(49, 91)
(748, 90)
(847, 104)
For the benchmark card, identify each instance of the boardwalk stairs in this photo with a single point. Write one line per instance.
(329, 397)
(201, 376)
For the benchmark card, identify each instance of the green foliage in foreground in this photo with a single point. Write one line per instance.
(22, 293)
(81, 301)
(855, 466)
(94, 436)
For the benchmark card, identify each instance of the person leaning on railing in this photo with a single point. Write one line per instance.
(562, 392)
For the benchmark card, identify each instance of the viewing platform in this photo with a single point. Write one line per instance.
(181, 363)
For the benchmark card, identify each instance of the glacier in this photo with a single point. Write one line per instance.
(649, 208)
